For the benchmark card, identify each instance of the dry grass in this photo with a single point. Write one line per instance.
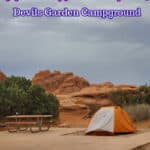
(143, 124)
(139, 112)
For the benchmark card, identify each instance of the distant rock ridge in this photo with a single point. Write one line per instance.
(59, 83)
(75, 92)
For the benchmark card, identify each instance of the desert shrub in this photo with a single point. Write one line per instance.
(145, 90)
(18, 95)
(138, 112)
(146, 98)
(122, 98)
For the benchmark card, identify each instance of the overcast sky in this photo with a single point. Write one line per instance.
(115, 50)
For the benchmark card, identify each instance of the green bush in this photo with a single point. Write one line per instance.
(122, 98)
(138, 112)
(18, 95)
(145, 90)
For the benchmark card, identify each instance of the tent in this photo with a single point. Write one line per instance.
(110, 120)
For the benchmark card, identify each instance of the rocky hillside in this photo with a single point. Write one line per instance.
(94, 94)
(75, 92)
(59, 83)
(2, 76)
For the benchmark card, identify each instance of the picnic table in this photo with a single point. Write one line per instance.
(24, 122)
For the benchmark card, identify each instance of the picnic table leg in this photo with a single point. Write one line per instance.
(38, 125)
(34, 131)
(23, 129)
(47, 128)
(10, 130)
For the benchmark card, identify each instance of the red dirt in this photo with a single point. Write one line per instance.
(74, 119)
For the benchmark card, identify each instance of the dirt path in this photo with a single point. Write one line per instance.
(55, 140)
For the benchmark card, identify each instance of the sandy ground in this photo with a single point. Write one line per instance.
(73, 138)
(143, 147)
(67, 139)
(75, 119)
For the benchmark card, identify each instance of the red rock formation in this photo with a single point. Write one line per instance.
(125, 87)
(104, 84)
(75, 92)
(98, 94)
(2, 76)
(59, 83)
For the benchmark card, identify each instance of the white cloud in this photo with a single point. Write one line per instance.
(115, 50)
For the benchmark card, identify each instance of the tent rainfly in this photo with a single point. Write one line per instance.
(109, 121)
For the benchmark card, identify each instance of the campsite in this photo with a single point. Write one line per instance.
(74, 75)
(108, 115)
(56, 140)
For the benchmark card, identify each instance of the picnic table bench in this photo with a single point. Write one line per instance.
(24, 122)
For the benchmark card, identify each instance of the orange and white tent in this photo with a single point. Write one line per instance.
(110, 120)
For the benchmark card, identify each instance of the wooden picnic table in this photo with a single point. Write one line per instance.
(17, 123)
